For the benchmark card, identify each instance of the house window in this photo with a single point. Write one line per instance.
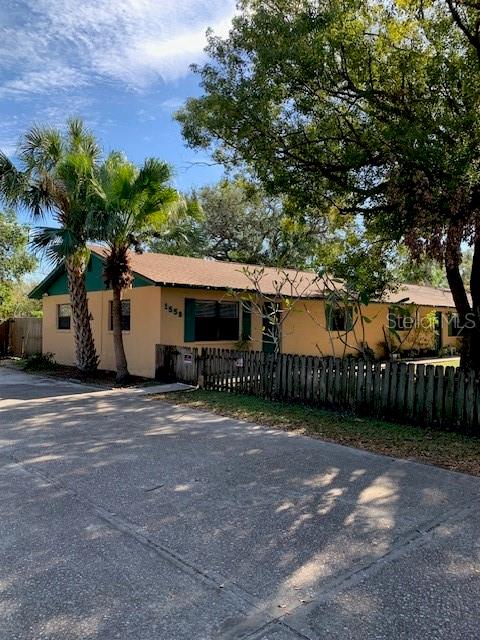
(125, 315)
(338, 318)
(401, 320)
(64, 316)
(216, 320)
(454, 326)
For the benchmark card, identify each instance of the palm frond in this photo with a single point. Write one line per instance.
(55, 243)
(41, 148)
(13, 182)
(81, 139)
(153, 174)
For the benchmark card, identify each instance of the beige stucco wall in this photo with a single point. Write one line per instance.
(139, 341)
(172, 327)
(154, 321)
(304, 331)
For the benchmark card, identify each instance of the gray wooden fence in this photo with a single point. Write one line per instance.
(177, 364)
(21, 337)
(421, 394)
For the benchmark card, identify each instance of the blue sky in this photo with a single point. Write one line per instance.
(123, 66)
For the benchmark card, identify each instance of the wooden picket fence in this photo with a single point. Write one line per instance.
(426, 395)
(177, 364)
(21, 337)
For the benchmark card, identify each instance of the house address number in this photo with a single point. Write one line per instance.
(173, 310)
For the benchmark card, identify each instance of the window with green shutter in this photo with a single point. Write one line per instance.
(338, 318)
(211, 320)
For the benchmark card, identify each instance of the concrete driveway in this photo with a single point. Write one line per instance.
(123, 517)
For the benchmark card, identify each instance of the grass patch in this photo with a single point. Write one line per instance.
(445, 449)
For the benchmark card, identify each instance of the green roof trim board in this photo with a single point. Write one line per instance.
(56, 284)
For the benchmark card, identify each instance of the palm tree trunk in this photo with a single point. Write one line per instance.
(85, 355)
(120, 358)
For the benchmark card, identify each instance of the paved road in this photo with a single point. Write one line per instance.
(122, 517)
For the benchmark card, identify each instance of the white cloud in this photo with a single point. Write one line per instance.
(31, 82)
(61, 44)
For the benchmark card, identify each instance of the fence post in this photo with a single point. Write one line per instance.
(201, 368)
(469, 400)
(429, 393)
(460, 398)
(410, 392)
(359, 399)
(439, 395)
(401, 386)
(449, 387)
(385, 387)
(377, 388)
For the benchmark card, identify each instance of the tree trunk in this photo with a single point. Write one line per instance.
(120, 358)
(85, 355)
(469, 314)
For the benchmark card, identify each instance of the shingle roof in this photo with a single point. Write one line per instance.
(164, 269)
(420, 295)
(171, 270)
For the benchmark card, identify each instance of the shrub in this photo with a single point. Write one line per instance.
(40, 362)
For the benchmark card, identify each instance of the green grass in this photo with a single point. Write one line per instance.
(445, 449)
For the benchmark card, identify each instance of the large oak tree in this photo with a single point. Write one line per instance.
(369, 107)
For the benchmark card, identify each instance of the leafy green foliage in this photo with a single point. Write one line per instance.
(56, 175)
(15, 262)
(237, 221)
(130, 205)
(40, 362)
(427, 272)
(15, 259)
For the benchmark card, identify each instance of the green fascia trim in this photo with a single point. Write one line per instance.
(43, 286)
(56, 284)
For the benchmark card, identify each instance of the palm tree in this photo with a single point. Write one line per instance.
(56, 175)
(132, 204)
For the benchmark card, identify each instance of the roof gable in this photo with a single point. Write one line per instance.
(56, 282)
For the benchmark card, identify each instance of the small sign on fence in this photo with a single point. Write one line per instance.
(187, 358)
(239, 363)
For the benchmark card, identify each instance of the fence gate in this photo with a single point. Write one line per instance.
(21, 337)
(176, 364)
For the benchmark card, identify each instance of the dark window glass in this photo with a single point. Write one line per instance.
(402, 321)
(454, 326)
(338, 318)
(216, 320)
(64, 315)
(125, 315)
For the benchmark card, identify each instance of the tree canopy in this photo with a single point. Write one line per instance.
(370, 107)
(15, 262)
(235, 220)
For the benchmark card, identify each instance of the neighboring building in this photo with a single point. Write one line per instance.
(194, 302)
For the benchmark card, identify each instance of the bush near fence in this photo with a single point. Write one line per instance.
(426, 395)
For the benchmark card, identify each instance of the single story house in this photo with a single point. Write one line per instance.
(200, 302)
